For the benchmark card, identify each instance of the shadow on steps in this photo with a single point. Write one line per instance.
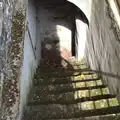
(69, 96)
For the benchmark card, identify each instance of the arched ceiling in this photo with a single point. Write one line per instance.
(84, 5)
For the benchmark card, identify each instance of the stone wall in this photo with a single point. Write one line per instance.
(15, 49)
(1, 16)
(11, 57)
(1, 81)
(103, 44)
(5, 39)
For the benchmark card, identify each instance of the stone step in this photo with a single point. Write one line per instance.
(46, 80)
(55, 81)
(51, 65)
(58, 89)
(67, 73)
(53, 68)
(46, 112)
(102, 117)
(68, 91)
(64, 99)
(71, 61)
(57, 86)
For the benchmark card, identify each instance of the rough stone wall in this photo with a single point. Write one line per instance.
(103, 45)
(1, 15)
(0, 34)
(11, 55)
(5, 35)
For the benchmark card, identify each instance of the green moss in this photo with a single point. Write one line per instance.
(18, 25)
(17, 32)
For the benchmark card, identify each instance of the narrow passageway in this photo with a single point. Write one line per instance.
(62, 93)
(63, 87)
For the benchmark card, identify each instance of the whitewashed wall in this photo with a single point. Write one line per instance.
(31, 53)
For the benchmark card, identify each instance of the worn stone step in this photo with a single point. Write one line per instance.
(71, 61)
(64, 80)
(68, 90)
(67, 73)
(54, 111)
(70, 71)
(66, 100)
(47, 66)
(66, 67)
(52, 68)
(60, 89)
(102, 117)
(43, 91)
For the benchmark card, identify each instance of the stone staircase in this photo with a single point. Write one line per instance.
(70, 92)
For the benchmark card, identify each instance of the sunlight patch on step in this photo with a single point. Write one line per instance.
(101, 104)
(78, 85)
(89, 105)
(105, 91)
(95, 92)
(99, 82)
(113, 102)
(81, 93)
(79, 76)
(91, 83)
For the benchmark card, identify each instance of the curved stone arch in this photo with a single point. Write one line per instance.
(84, 6)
